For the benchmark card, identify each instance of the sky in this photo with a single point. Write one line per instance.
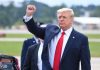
(58, 2)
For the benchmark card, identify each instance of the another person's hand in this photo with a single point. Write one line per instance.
(30, 10)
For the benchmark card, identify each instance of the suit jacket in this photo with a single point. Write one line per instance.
(25, 47)
(31, 58)
(76, 49)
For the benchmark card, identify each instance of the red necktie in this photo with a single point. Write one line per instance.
(58, 52)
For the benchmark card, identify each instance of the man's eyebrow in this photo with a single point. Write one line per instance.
(62, 16)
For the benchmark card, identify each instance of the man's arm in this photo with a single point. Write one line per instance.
(85, 55)
(31, 24)
(35, 29)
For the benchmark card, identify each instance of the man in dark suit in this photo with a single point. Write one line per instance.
(73, 45)
(26, 44)
(33, 58)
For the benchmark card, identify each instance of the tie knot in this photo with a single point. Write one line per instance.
(63, 33)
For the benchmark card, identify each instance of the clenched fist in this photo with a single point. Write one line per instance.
(30, 10)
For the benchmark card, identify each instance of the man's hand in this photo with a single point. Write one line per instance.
(30, 10)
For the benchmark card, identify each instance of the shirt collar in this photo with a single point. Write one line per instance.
(68, 31)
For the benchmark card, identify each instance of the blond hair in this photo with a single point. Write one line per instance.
(65, 10)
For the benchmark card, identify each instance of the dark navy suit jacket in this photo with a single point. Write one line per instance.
(76, 48)
(31, 58)
(26, 44)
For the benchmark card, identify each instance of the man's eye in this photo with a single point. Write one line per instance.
(64, 17)
(59, 17)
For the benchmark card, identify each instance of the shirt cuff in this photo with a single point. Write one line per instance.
(27, 18)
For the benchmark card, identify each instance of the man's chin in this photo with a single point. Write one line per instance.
(61, 26)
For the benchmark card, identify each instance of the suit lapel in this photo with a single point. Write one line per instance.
(36, 53)
(50, 34)
(68, 44)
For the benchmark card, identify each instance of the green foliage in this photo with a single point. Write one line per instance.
(96, 12)
(10, 15)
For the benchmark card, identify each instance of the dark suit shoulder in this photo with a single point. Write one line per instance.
(52, 27)
(80, 35)
(29, 39)
(32, 47)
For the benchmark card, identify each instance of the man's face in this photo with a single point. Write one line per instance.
(65, 19)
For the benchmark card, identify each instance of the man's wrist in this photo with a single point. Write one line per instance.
(27, 18)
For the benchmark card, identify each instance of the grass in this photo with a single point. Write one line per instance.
(10, 48)
(14, 48)
(97, 36)
(95, 49)
(18, 35)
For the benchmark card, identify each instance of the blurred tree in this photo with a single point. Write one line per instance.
(10, 15)
(96, 12)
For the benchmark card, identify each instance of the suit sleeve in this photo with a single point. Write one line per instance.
(27, 64)
(35, 29)
(85, 55)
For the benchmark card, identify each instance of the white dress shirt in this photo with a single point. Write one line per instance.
(27, 18)
(39, 56)
(53, 43)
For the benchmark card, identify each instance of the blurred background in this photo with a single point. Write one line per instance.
(13, 31)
